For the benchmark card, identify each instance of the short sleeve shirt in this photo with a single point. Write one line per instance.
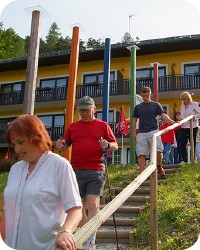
(35, 207)
(86, 149)
(147, 114)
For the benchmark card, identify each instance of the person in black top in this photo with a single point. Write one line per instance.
(147, 112)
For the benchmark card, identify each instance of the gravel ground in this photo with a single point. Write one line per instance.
(110, 246)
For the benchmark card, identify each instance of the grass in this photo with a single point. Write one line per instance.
(178, 207)
(3, 180)
(178, 212)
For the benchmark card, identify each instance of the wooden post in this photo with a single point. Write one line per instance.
(32, 64)
(191, 141)
(71, 88)
(154, 199)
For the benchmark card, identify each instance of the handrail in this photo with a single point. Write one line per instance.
(94, 223)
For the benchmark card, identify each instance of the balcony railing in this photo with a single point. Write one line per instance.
(56, 132)
(118, 87)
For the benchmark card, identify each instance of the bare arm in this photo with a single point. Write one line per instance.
(65, 238)
(166, 118)
(134, 127)
(2, 226)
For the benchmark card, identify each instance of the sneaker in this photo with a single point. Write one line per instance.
(161, 171)
(80, 248)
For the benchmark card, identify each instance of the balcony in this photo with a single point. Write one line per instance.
(56, 132)
(117, 88)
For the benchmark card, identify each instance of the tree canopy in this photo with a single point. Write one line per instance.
(13, 46)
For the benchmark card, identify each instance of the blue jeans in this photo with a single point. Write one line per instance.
(166, 152)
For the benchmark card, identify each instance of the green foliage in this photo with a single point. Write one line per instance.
(11, 45)
(178, 212)
(92, 43)
(3, 181)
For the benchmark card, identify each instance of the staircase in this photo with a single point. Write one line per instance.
(126, 214)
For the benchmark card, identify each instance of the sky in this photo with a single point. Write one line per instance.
(99, 19)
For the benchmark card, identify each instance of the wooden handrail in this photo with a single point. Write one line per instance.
(94, 223)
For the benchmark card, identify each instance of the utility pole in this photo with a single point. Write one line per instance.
(32, 64)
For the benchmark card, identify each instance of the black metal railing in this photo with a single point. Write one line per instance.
(57, 132)
(118, 87)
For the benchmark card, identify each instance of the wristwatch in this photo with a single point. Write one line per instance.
(108, 145)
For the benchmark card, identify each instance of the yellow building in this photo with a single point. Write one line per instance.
(179, 70)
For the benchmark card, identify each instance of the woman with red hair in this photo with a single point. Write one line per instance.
(41, 200)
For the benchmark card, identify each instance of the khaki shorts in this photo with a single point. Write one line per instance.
(144, 142)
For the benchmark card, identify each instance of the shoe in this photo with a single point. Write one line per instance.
(80, 248)
(161, 171)
(183, 162)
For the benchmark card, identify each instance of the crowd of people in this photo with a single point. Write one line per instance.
(172, 146)
(47, 198)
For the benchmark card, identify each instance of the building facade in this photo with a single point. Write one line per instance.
(179, 70)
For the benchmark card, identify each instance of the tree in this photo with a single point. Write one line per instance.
(53, 37)
(92, 43)
(11, 45)
(63, 44)
(127, 38)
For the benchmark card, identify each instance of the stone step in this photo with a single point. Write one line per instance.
(110, 236)
(140, 190)
(136, 198)
(126, 215)
(120, 221)
(128, 209)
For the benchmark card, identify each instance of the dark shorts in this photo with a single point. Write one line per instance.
(90, 182)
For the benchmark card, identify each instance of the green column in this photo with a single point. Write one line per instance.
(132, 100)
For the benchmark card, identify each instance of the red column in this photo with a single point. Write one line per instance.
(71, 89)
(155, 81)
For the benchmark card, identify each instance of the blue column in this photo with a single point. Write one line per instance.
(106, 81)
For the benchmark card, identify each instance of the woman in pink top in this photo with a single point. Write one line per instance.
(188, 107)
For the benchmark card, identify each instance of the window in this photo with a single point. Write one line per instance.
(191, 69)
(117, 156)
(54, 125)
(96, 77)
(98, 115)
(51, 121)
(12, 87)
(145, 77)
(192, 75)
(148, 72)
(53, 82)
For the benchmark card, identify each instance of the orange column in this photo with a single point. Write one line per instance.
(71, 89)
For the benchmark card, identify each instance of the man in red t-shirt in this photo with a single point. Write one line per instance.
(89, 137)
(168, 139)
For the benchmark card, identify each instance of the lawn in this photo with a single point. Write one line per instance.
(178, 207)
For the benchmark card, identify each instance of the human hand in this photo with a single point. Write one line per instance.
(60, 143)
(65, 241)
(104, 144)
